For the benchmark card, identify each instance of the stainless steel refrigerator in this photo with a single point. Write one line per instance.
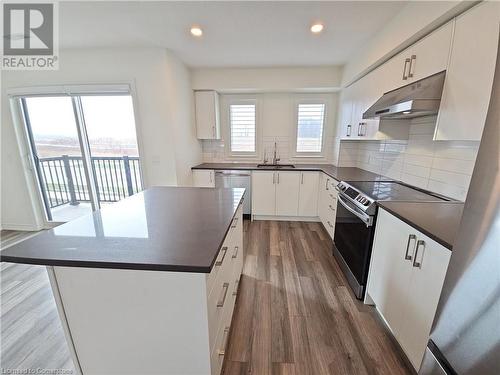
(465, 338)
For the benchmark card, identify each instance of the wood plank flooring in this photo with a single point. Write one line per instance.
(295, 313)
(32, 335)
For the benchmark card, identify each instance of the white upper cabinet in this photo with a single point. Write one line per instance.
(308, 194)
(469, 77)
(430, 54)
(207, 115)
(426, 57)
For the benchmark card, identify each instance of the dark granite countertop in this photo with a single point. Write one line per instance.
(439, 221)
(161, 229)
(338, 173)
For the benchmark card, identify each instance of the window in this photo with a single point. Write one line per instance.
(242, 128)
(83, 159)
(310, 121)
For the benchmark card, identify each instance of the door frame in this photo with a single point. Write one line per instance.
(37, 202)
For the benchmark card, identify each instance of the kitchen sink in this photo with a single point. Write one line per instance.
(275, 166)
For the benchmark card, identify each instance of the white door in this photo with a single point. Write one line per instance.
(423, 296)
(287, 193)
(308, 193)
(390, 271)
(469, 78)
(203, 178)
(263, 193)
(430, 55)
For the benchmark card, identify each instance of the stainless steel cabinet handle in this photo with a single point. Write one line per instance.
(235, 222)
(405, 77)
(222, 351)
(302, 181)
(223, 251)
(413, 58)
(235, 254)
(415, 263)
(330, 224)
(410, 238)
(331, 207)
(236, 284)
(348, 132)
(326, 184)
(278, 177)
(221, 301)
(210, 173)
(274, 177)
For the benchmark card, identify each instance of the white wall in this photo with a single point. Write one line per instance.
(276, 122)
(416, 19)
(164, 111)
(279, 79)
(443, 167)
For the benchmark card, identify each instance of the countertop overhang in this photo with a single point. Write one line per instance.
(159, 229)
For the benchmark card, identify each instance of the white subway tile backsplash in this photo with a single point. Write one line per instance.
(454, 165)
(457, 179)
(444, 167)
(417, 170)
(448, 190)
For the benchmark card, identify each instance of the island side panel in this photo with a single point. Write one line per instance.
(131, 322)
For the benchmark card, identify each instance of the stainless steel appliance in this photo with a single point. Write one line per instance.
(465, 338)
(419, 98)
(236, 179)
(355, 223)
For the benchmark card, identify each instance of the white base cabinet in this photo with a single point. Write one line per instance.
(286, 194)
(121, 321)
(204, 178)
(406, 276)
(327, 207)
(308, 194)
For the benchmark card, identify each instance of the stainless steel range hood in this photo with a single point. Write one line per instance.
(420, 98)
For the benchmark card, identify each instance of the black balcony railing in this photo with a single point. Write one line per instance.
(63, 179)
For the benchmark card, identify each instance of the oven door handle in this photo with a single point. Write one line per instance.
(367, 219)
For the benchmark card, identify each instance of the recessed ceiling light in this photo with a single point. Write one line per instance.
(317, 28)
(196, 31)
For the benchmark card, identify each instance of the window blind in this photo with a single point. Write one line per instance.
(310, 120)
(242, 121)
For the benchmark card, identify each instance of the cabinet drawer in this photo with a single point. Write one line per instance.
(218, 351)
(219, 299)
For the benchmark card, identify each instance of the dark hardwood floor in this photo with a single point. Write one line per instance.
(295, 313)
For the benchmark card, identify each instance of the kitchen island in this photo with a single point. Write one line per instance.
(148, 285)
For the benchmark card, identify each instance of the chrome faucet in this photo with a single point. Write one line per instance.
(276, 159)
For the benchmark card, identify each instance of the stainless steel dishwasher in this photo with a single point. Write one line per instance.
(236, 179)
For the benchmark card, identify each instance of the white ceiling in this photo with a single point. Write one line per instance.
(235, 33)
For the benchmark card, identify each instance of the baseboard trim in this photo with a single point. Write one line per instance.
(286, 218)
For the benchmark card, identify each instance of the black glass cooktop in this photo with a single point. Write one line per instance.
(392, 191)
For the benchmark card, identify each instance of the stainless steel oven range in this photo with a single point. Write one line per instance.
(355, 223)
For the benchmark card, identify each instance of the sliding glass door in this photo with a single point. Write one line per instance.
(85, 151)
